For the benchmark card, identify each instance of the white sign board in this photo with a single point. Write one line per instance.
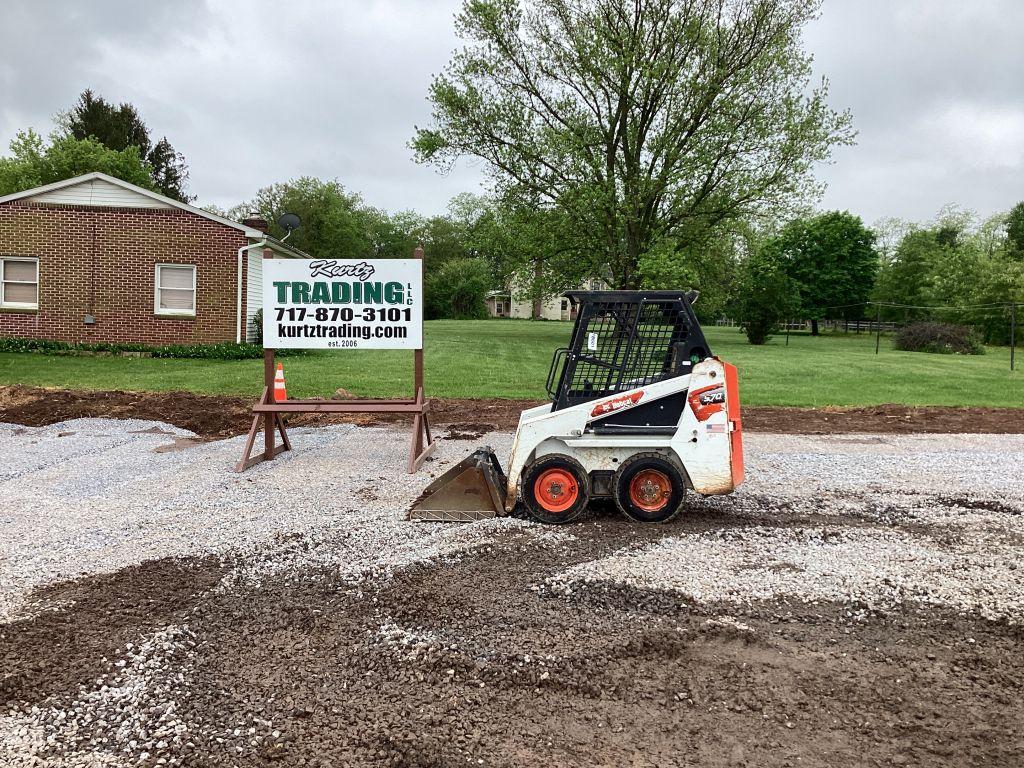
(342, 304)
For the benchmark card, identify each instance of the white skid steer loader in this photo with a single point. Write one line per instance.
(640, 411)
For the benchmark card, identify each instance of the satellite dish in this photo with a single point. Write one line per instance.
(288, 222)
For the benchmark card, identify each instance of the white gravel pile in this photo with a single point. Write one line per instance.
(955, 465)
(943, 519)
(874, 569)
(95, 495)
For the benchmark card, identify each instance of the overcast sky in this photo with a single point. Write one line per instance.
(257, 92)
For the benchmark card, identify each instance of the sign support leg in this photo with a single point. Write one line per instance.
(418, 452)
(273, 422)
(244, 464)
(269, 419)
(286, 444)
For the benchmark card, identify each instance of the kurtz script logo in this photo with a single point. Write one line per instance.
(328, 268)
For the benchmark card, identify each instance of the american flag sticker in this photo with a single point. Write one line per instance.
(719, 429)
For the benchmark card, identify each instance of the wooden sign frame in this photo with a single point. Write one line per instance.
(271, 412)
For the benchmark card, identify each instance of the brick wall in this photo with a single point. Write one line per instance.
(103, 260)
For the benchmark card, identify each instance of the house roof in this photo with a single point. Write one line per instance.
(154, 200)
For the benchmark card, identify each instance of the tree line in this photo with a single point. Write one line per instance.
(647, 144)
(759, 272)
(95, 135)
(957, 268)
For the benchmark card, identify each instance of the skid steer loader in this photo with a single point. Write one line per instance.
(640, 411)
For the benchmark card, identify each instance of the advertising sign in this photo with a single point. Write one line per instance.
(342, 303)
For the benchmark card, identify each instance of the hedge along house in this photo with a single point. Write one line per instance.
(96, 259)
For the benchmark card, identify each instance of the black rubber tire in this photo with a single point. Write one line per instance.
(630, 468)
(529, 480)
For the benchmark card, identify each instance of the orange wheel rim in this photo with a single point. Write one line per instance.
(556, 490)
(650, 490)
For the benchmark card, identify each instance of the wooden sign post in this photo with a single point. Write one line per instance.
(270, 411)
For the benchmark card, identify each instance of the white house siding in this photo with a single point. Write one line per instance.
(253, 290)
(551, 309)
(97, 192)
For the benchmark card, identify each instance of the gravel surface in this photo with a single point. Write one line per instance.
(96, 495)
(859, 599)
(875, 570)
(953, 507)
(104, 494)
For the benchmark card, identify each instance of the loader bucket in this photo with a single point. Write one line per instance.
(474, 489)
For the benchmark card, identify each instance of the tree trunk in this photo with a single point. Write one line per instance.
(538, 303)
(814, 327)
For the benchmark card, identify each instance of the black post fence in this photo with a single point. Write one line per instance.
(1013, 333)
(878, 328)
(891, 326)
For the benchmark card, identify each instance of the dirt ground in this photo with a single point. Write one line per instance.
(485, 655)
(470, 662)
(218, 416)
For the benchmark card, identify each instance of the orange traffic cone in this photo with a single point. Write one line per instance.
(280, 393)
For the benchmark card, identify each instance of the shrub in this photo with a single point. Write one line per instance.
(457, 289)
(942, 338)
(765, 297)
(223, 351)
(257, 327)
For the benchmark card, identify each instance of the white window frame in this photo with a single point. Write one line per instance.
(157, 309)
(4, 304)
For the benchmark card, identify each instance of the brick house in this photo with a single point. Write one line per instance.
(95, 258)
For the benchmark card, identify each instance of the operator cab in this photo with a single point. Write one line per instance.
(623, 340)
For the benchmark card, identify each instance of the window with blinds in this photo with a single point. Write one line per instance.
(19, 282)
(175, 289)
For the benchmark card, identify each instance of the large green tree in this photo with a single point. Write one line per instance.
(33, 162)
(831, 258)
(457, 288)
(119, 127)
(335, 222)
(712, 265)
(909, 279)
(443, 238)
(636, 121)
(529, 246)
(955, 270)
(765, 295)
(1015, 230)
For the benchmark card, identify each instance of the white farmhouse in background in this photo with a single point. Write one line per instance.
(506, 303)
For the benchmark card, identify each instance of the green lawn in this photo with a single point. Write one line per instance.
(511, 358)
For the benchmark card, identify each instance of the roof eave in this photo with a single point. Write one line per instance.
(248, 231)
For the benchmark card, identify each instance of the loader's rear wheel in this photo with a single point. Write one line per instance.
(555, 489)
(649, 488)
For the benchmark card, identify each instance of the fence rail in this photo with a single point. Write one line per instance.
(877, 326)
(853, 326)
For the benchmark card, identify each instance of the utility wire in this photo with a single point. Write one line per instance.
(1006, 304)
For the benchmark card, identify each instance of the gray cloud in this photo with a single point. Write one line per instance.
(937, 93)
(257, 92)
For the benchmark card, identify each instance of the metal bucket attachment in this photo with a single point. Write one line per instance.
(474, 489)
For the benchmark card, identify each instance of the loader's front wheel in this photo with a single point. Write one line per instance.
(649, 488)
(555, 489)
